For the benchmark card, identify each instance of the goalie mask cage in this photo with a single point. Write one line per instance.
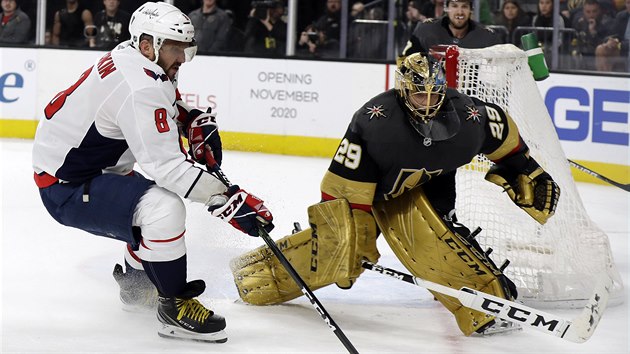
(553, 265)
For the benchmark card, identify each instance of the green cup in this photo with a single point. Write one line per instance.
(535, 56)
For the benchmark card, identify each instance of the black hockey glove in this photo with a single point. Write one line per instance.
(244, 211)
(203, 137)
(532, 189)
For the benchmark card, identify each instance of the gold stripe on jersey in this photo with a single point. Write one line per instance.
(510, 142)
(353, 191)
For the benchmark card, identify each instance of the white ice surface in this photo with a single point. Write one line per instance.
(58, 294)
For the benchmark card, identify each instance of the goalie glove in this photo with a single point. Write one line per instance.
(203, 137)
(242, 210)
(533, 189)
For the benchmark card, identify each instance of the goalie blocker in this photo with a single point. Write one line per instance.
(332, 250)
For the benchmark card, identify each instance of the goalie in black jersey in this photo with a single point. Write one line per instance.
(394, 173)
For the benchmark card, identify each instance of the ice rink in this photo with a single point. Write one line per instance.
(58, 294)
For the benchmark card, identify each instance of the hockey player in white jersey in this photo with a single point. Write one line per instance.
(125, 110)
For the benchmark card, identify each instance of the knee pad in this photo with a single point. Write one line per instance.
(329, 252)
(161, 216)
(430, 249)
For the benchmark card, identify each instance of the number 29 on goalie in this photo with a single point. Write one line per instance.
(348, 154)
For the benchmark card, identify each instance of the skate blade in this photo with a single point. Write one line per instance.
(172, 332)
(499, 329)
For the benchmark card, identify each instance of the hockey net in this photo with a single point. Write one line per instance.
(554, 265)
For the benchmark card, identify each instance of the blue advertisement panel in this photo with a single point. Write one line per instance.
(590, 114)
(18, 83)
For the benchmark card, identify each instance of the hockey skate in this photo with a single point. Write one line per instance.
(137, 292)
(184, 317)
(498, 326)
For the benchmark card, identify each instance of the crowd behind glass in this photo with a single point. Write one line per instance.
(593, 34)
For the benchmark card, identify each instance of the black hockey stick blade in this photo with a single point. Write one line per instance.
(577, 330)
(625, 187)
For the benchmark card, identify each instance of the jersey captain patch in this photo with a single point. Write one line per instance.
(376, 111)
(473, 114)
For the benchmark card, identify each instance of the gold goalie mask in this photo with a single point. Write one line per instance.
(421, 85)
(419, 76)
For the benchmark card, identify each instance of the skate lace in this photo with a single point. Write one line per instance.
(192, 309)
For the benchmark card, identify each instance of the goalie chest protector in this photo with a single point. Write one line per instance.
(399, 158)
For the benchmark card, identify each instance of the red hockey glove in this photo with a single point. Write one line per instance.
(203, 137)
(244, 211)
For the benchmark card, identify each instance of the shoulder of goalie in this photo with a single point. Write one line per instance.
(202, 131)
(527, 184)
(242, 210)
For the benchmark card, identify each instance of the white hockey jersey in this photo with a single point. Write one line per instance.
(119, 112)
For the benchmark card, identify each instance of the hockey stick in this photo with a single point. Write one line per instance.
(306, 291)
(625, 187)
(214, 168)
(577, 330)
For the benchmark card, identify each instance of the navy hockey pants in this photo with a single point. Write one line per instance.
(103, 206)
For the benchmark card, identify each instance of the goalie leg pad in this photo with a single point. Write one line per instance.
(329, 252)
(261, 280)
(430, 250)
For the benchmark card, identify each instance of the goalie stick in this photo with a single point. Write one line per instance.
(577, 330)
(213, 167)
(625, 187)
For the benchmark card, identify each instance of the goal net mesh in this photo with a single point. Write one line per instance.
(553, 265)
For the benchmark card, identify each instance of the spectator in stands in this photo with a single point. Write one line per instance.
(112, 25)
(544, 18)
(592, 28)
(574, 7)
(236, 37)
(357, 10)
(366, 39)
(314, 43)
(456, 28)
(432, 9)
(414, 14)
(73, 26)
(330, 22)
(612, 55)
(581, 12)
(266, 31)
(212, 26)
(530, 6)
(436, 9)
(512, 16)
(606, 7)
(15, 25)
